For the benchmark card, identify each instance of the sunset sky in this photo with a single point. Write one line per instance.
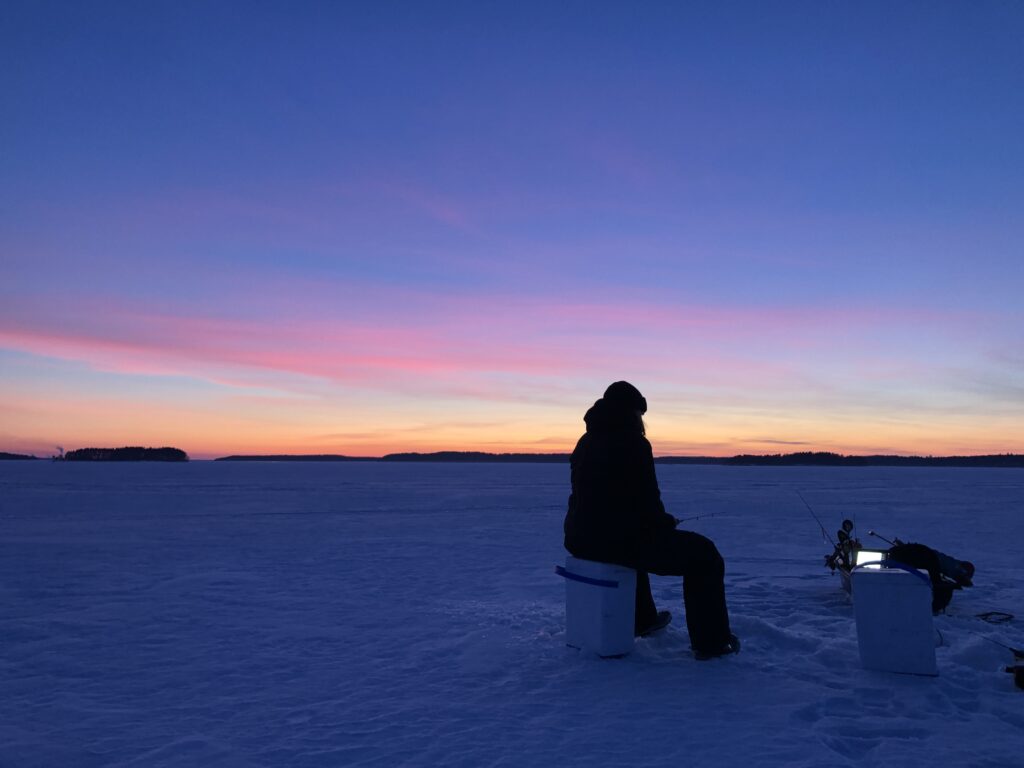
(298, 227)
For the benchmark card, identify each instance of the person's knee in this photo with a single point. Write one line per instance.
(705, 555)
(715, 562)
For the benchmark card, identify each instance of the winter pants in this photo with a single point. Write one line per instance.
(696, 559)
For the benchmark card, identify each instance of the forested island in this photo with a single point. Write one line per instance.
(16, 457)
(131, 453)
(821, 459)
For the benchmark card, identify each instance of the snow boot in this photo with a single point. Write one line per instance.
(733, 646)
(662, 620)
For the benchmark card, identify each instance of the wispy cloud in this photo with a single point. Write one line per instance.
(307, 350)
(454, 339)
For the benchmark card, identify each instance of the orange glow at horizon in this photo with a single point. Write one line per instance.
(208, 430)
(719, 381)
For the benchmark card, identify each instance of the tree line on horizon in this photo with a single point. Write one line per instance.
(803, 458)
(130, 453)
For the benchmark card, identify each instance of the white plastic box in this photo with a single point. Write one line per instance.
(599, 606)
(893, 610)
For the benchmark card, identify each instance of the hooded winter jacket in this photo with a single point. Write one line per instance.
(615, 502)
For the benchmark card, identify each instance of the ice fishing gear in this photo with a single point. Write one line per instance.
(1017, 668)
(844, 555)
(824, 533)
(947, 574)
(696, 517)
(959, 572)
(925, 558)
(890, 542)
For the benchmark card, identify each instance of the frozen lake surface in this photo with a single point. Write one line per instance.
(216, 614)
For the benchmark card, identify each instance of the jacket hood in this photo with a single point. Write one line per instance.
(608, 415)
(626, 395)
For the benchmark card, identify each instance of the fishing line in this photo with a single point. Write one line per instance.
(698, 517)
(1017, 652)
(816, 518)
(995, 617)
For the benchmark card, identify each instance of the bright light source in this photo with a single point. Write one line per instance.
(869, 556)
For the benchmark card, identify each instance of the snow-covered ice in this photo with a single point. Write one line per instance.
(408, 614)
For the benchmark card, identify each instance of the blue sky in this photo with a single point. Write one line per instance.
(451, 225)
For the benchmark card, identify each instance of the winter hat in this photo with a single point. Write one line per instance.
(624, 394)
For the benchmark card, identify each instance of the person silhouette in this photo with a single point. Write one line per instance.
(616, 515)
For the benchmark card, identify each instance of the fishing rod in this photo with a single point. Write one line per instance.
(817, 520)
(697, 517)
(842, 553)
(893, 543)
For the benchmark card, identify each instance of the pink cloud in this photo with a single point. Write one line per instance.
(479, 347)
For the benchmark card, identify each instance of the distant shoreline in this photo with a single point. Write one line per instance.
(819, 459)
(806, 459)
(128, 453)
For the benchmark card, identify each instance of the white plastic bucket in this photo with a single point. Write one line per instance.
(599, 606)
(893, 610)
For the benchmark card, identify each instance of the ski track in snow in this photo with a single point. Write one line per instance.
(216, 614)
